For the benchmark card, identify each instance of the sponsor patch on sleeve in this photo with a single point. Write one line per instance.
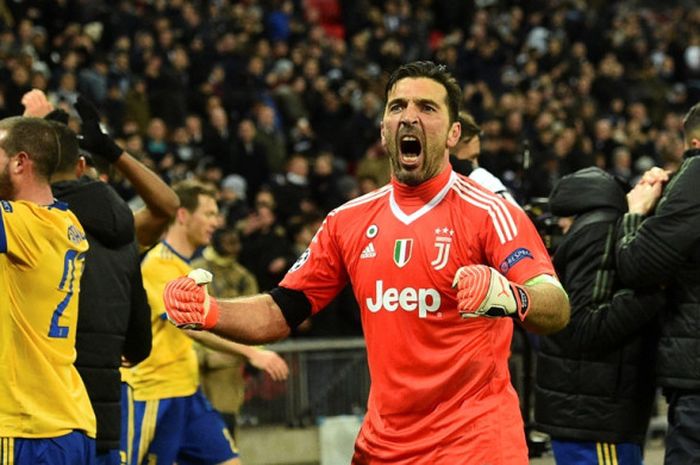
(515, 256)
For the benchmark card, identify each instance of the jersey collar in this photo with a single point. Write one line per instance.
(176, 253)
(420, 199)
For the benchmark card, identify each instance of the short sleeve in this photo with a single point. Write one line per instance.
(514, 247)
(320, 271)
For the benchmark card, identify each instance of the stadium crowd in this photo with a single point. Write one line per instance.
(282, 99)
(277, 104)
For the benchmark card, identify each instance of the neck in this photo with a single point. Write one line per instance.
(414, 197)
(178, 241)
(37, 193)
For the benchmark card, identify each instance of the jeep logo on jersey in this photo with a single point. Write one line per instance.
(408, 299)
(402, 251)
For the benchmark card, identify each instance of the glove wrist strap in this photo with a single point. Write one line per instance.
(212, 316)
(522, 302)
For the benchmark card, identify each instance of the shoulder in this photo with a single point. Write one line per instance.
(161, 264)
(356, 211)
(488, 209)
(476, 196)
(359, 205)
(161, 257)
(683, 186)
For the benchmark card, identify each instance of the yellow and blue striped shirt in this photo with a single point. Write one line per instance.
(41, 262)
(171, 370)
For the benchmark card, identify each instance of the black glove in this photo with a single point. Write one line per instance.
(93, 139)
(58, 115)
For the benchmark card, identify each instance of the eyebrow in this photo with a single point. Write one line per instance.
(419, 101)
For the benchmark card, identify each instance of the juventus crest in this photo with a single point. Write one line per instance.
(443, 241)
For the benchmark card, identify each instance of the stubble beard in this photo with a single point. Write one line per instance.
(426, 171)
(7, 190)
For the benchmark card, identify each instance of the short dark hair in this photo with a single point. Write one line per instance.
(35, 136)
(469, 127)
(68, 145)
(691, 123)
(189, 191)
(437, 73)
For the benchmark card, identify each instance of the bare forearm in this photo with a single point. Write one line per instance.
(549, 309)
(251, 320)
(220, 344)
(161, 201)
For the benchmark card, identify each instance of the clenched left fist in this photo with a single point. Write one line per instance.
(483, 291)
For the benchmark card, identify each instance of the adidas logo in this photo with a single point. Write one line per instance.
(368, 252)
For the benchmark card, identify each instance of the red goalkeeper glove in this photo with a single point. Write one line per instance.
(483, 291)
(188, 304)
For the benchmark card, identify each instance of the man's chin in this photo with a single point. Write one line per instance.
(410, 177)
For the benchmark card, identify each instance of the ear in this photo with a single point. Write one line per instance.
(21, 164)
(80, 167)
(694, 143)
(454, 134)
(182, 215)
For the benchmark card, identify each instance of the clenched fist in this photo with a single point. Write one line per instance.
(188, 304)
(483, 291)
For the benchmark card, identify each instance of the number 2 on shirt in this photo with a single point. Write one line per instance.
(70, 263)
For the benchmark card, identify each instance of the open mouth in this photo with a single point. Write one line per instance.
(410, 149)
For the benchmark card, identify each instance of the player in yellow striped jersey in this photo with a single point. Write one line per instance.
(165, 416)
(45, 412)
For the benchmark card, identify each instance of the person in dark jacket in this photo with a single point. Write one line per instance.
(114, 316)
(594, 389)
(664, 248)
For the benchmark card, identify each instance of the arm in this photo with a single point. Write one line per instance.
(261, 359)
(650, 250)
(549, 307)
(161, 201)
(249, 320)
(530, 293)
(604, 317)
(610, 325)
(541, 305)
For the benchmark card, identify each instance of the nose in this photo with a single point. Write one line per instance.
(409, 116)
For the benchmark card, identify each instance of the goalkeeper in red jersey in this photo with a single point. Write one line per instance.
(441, 268)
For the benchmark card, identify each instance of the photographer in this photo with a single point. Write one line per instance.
(595, 388)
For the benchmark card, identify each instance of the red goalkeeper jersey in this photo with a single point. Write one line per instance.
(441, 390)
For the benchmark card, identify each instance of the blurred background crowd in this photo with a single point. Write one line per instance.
(278, 102)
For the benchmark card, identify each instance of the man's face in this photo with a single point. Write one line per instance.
(6, 187)
(468, 148)
(416, 130)
(202, 223)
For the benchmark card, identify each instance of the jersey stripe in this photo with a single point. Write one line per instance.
(501, 218)
(498, 202)
(148, 427)
(3, 235)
